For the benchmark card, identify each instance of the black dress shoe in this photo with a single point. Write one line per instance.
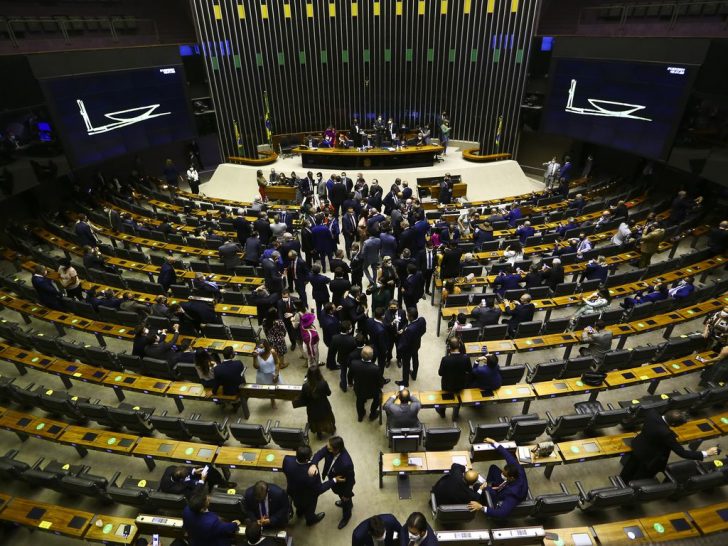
(360, 419)
(373, 416)
(400, 383)
(343, 522)
(414, 376)
(318, 517)
(335, 368)
(338, 503)
(387, 381)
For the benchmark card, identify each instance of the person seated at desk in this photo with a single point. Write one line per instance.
(506, 280)
(457, 486)
(186, 480)
(379, 530)
(507, 486)
(267, 504)
(655, 293)
(404, 414)
(595, 269)
(206, 287)
(683, 288)
(419, 532)
(344, 141)
(486, 314)
(524, 231)
(523, 311)
(205, 528)
(486, 373)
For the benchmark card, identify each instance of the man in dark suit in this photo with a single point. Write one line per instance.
(161, 350)
(404, 414)
(271, 272)
(303, 488)
(457, 486)
(523, 311)
(229, 255)
(205, 528)
(323, 242)
(349, 223)
(553, 275)
(229, 374)
(652, 446)
(114, 219)
(167, 274)
(252, 248)
(427, 260)
(368, 383)
(262, 226)
(378, 337)
(330, 326)
(507, 486)
(418, 531)
(267, 504)
(297, 274)
(319, 287)
(48, 294)
(186, 480)
(254, 536)
(486, 314)
(289, 243)
(408, 345)
(201, 311)
(338, 467)
(286, 310)
(84, 232)
(394, 320)
(455, 371)
(342, 344)
(242, 227)
(413, 287)
(383, 528)
(339, 286)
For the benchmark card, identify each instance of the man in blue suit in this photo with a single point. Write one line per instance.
(413, 286)
(320, 288)
(323, 242)
(84, 232)
(205, 528)
(267, 504)
(330, 326)
(507, 486)
(384, 528)
(417, 532)
(338, 467)
(229, 374)
(48, 294)
(377, 333)
(302, 488)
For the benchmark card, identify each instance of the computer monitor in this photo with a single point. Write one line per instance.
(405, 443)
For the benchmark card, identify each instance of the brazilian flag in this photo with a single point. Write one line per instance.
(268, 121)
(499, 131)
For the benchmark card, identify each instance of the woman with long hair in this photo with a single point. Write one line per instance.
(69, 279)
(204, 366)
(314, 397)
(275, 331)
(268, 366)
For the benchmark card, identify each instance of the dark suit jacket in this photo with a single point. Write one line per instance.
(48, 295)
(338, 288)
(229, 254)
(452, 489)
(300, 486)
(243, 228)
(207, 529)
(486, 316)
(162, 350)
(410, 339)
(554, 276)
(520, 313)
(329, 327)
(414, 286)
(277, 505)
(201, 312)
(455, 372)
(342, 345)
(228, 375)
(320, 290)
(84, 234)
(509, 496)
(168, 485)
(377, 333)
(361, 536)
(422, 260)
(167, 276)
(368, 382)
(652, 446)
(252, 249)
(343, 466)
(262, 226)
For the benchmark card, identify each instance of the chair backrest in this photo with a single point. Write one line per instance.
(546, 371)
(441, 438)
(139, 498)
(529, 328)
(555, 326)
(136, 421)
(494, 332)
(447, 514)
(208, 431)
(526, 431)
(97, 413)
(215, 331)
(576, 366)
(616, 360)
(480, 431)
(80, 485)
(167, 501)
(228, 506)
(289, 438)
(510, 375)
(171, 426)
(608, 497)
(650, 490)
(548, 506)
(469, 335)
(250, 434)
(242, 333)
(568, 425)
(157, 368)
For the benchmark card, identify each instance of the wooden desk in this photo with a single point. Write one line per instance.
(151, 449)
(26, 425)
(267, 392)
(696, 431)
(112, 530)
(251, 458)
(428, 399)
(711, 519)
(618, 379)
(581, 450)
(668, 527)
(47, 517)
(568, 536)
(429, 462)
(622, 532)
(83, 438)
(334, 158)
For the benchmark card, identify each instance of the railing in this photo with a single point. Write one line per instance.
(670, 12)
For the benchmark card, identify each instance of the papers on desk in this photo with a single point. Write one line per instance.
(414, 461)
(524, 454)
(459, 459)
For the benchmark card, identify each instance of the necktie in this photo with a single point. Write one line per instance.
(263, 511)
(429, 260)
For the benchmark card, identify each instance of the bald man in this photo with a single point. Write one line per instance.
(457, 487)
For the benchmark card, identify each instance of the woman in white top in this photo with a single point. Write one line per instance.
(69, 279)
(596, 302)
(268, 365)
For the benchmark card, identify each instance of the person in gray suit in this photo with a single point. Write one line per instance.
(230, 255)
(598, 340)
(370, 252)
(404, 414)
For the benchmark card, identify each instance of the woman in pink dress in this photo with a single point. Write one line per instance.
(310, 338)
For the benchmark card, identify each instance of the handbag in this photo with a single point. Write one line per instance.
(543, 449)
(593, 379)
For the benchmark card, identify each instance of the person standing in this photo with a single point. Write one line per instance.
(348, 228)
(598, 340)
(444, 135)
(551, 172)
(304, 489)
(408, 345)
(413, 286)
(368, 383)
(342, 344)
(205, 528)
(455, 371)
(193, 179)
(309, 338)
(69, 279)
(338, 467)
(419, 532)
(652, 446)
(229, 374)
(262, 185)
(649, 244)
(314, 397)
(427, 261)
(268, 365)
(275, 331)
(267, 504)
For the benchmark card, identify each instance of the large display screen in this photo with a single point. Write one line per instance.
(108, 114)
(631, 106)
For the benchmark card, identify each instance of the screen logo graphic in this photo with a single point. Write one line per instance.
(604, 108)
(122, 118)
